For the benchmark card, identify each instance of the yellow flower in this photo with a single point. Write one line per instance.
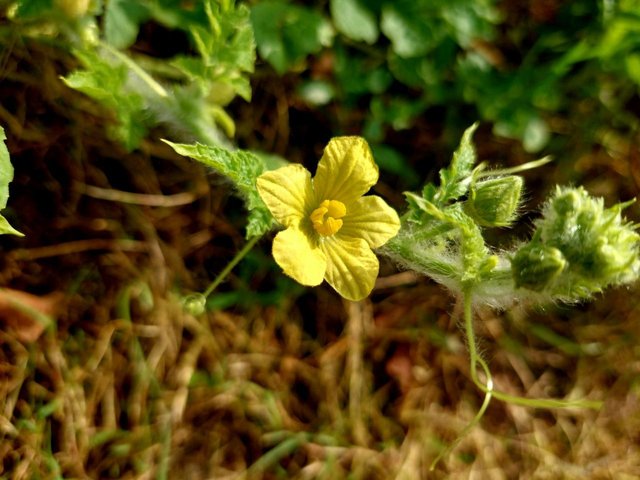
(330, 227)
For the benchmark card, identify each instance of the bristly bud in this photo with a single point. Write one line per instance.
(494, 202)
(535, 266)
(598, 245)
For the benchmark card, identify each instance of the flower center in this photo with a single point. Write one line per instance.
(326, 218)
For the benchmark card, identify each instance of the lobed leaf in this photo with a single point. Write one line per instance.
(242, 168)
(107, 83)
(455, 180)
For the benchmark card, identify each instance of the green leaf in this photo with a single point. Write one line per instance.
(359, 74)
(6, 171)
(455, 180)
(409, 35)
(226, 49)
(6, 175)
(242, 168)
(107, 83)
(287, 33)
(32, 8)
(434, 204)
(536, 134)
(121, 21)
(354, 20)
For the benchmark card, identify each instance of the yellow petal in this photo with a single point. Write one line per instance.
(298, 257)
(346, 170)
(352, 267)
(372, 219)
(286, 191)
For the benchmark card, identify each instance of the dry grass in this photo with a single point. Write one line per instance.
(124, 384)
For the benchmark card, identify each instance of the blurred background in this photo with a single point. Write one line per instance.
(102, 372)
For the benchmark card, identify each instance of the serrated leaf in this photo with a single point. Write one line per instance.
(455, 180)
(6, 175)
(106, 82)
(434, 203)
(354, 20)
(226, 49)
(242, 168)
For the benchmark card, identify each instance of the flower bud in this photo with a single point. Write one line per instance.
(194, 304)
(536, 266)
(494, 202)
(599, 247)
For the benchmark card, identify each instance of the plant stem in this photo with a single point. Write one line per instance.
(436, 266)
(144, 76)
(223, 274)
(475, 360)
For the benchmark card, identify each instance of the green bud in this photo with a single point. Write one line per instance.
(194, 304)
(535, 266)
(598, 245)
(494, 202)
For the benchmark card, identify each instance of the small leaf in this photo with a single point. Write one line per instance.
(536, 134)
(6, 175)
(455, 180)
(6, 171)
(243, 169)
(226, 49)
(121, 21)
(354, 20)
(410, 37)
(106, 82)
(32, 8)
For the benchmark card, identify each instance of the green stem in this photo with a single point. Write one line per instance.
(475, 360)
(223, 274)
(143, 75)
(487, 388)
(517, 169)
(432, 265)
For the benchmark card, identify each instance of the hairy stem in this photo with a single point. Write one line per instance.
(475, 360)
(230, 266)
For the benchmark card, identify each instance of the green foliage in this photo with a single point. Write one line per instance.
(32, 8)
(122, 20)
(106, 81)
(578, 248)
(6, 175)
(354, 20)
(525, 77)
(287, 33)
(242, 168)
(187, 92)
(439, 220)
(226, 51)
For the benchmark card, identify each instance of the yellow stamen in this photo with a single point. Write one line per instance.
(326, 218)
